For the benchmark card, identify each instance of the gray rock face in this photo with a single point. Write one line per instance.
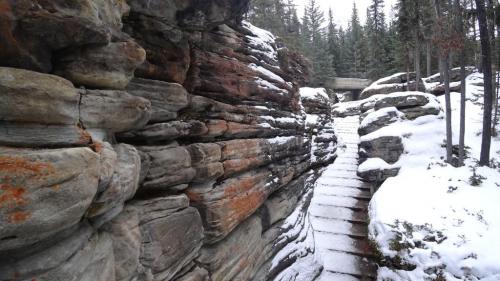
(31, 33)
(44, 192)
(165, 250)
(128, 178)
(42, 136)
(125, 233)
(75, 255)
(31, 97)
(232, 259)
(388, 148)
(115, 111)
(170, 166)
(166, 98)
(161, 132)
(123, 183)
(105, 67)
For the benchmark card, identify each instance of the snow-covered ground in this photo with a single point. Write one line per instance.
(434, 221)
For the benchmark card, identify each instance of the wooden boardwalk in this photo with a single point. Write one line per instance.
(338, 212)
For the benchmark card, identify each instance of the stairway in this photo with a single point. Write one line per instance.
(338, 212)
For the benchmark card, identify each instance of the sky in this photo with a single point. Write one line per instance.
(342, 9)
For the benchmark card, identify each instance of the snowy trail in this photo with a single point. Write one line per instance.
(338, 212)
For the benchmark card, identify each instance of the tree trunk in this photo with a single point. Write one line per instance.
(461, 141)
(407, 64)
(449, 132)
(417, 62)
(488, 87)
(444, 57)
(429, 58)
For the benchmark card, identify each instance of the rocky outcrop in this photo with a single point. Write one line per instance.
(381, 148)
(435, 86)
(396, 83)
(152, 140)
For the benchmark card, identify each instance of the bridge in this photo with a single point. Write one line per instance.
(348, 84)
(353, 85)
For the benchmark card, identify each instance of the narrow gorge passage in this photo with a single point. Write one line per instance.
(338, 212)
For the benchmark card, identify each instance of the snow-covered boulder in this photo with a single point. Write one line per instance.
(378, 119)
(389, 148)
(377, 170)
(413, 104)
(315, 100)
(434, 85)
(395, 83)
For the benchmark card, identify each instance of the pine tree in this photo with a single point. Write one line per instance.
(333, 41)
(354, 44)
(321, 60)
(377, 40)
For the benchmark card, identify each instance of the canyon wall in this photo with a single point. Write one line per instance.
(151, 140)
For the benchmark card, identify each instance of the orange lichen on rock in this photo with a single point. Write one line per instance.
(18, 217)
(11, 166)
(11, 197)
(244, 206)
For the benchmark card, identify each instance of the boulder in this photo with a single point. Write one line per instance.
(454, 75)
(32, 97)
(377, 170)
(167, 99)
(388, 148)
(418, 111)
(403, 100)
(115, 111)
(392, 84)
(44, 192)
(172, 235)
(379, 119)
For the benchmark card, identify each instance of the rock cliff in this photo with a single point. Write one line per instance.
(151, 140)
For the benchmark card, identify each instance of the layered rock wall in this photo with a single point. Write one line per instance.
(149, 140)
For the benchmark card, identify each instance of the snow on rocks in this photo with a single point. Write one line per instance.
(379, 119)
(262, 41)
(394, 83)
(434, 221)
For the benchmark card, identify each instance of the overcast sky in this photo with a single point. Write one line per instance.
(342, 9)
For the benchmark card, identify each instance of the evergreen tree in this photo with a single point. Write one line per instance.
(377, 40)
(321, 59)
(354, 44)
